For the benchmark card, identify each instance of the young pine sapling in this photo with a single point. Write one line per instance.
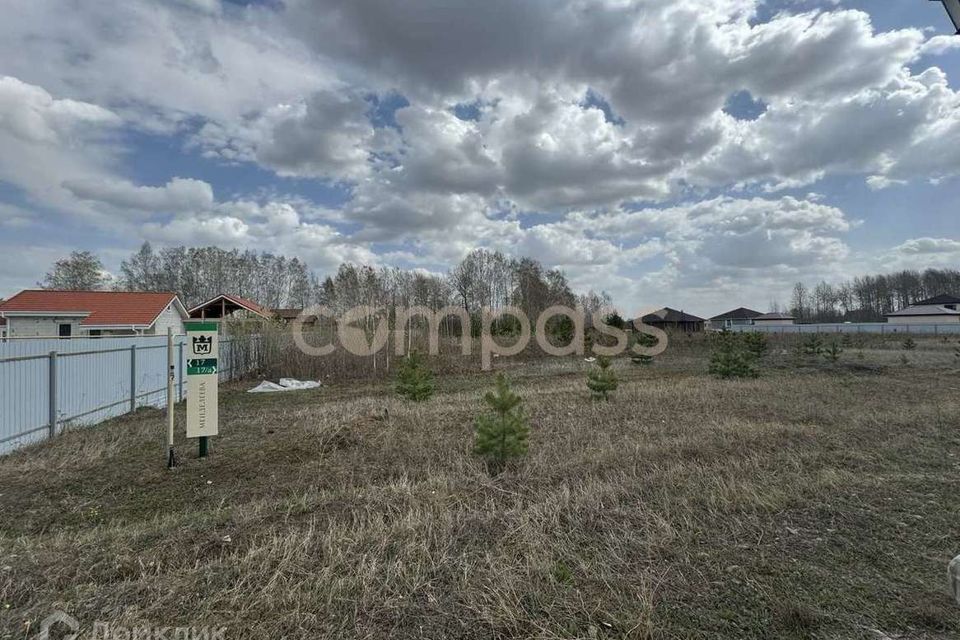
(833, 352)
(729, 359)
(644, 340)
(756, 344)
(602, 380)
(501, 435)
(414, 379)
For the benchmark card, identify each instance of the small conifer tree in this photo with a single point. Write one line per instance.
(414, 379)
(502, 435)
(644, 340)
(798, 352)
(833, 352)
(729, 359)
(813, 345)
(602, 379)
(756, 344)
(909, 344)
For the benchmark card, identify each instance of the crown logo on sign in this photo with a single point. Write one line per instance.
(202, 344)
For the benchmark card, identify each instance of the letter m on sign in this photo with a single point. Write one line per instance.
(201, 345)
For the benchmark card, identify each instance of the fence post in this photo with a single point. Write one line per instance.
(54, 409)
(180, 374)
(133, 377)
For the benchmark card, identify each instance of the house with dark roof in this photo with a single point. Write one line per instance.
(739, 317)
(943, 309)
(671, 319)
(226, 305)
(44, 313)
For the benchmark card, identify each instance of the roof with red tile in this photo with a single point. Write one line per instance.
(249, 305)
(103, 308)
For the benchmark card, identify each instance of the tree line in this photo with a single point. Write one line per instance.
(868, 298)
(483, 278)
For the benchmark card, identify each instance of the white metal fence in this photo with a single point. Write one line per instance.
(49, 384)
(882, 328)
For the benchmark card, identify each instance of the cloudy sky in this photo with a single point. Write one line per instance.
(698, 154)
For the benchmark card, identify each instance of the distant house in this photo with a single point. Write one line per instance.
(46, 313)
(774, 320)
(287, 316)
(668, 318)
(937, 310)
(226, 305)
(735, 318)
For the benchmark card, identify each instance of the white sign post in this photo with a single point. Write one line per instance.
(203, 351)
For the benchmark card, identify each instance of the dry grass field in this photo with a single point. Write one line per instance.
(814, 502)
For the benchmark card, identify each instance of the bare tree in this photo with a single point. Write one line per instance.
(800, 302)
(82, 270)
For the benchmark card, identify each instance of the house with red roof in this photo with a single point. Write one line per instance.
(47, 313)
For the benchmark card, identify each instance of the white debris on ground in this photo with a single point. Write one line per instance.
(286, 384)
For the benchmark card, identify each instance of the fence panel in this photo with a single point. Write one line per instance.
(882, 328)
(47, 385)
(24, 400)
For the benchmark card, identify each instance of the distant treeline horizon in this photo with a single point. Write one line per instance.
(868, 298)
(484, 278)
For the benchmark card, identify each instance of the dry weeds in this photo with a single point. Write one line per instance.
(813, 502)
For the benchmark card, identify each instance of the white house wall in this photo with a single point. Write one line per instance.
(944, 319)
(169, 318)
(41, 327)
